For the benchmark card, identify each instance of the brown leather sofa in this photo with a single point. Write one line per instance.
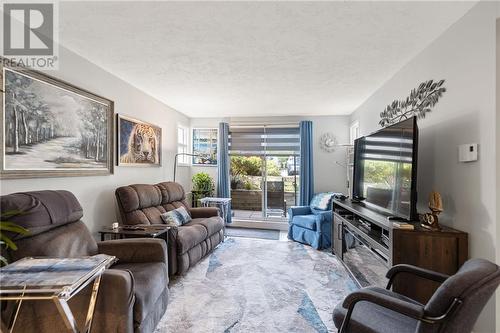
(133, 294)
(187, 244)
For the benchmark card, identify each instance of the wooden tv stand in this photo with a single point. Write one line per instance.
(368, 244)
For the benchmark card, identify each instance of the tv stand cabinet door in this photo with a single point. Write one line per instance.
(439, 251)
(337, 240)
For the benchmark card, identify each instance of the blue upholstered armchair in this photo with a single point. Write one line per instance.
(312, 224)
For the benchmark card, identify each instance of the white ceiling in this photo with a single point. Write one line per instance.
(230, 59)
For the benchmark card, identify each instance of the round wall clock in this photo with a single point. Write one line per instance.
(327, 142)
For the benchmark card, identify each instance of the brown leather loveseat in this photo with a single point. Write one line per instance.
(187, 244)
(133, 294)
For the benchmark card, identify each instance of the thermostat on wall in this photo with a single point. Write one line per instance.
(467, 152)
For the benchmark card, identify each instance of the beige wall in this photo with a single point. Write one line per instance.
(465, 57)
(96, 194)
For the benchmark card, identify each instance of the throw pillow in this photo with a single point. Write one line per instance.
(322, 201)
(172, 218)
(178, 216)
(184, 213)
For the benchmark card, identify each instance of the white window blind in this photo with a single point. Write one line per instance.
(263, 140)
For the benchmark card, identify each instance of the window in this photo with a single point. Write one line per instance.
(205, 146)
(183, 144)
(354, 132)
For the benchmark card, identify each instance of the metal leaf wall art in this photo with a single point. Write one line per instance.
(420, 102)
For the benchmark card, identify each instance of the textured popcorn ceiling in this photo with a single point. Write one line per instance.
(212, 59)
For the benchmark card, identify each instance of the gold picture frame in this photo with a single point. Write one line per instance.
(51, 128)
(138, 142)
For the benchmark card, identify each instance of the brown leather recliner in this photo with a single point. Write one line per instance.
(187, 244)
(133, 294)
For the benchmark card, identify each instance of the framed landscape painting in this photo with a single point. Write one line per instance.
(51, 128)
(139, 143)
(205, 145)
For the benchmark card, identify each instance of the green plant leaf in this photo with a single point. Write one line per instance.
(13, 228)
(203, 182)
(3, 260)
(8, 242)
(10, 213)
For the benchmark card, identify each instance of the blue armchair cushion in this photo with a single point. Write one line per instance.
(322, 201)
(305, 221)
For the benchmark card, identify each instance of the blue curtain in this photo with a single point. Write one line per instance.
(223, 181)
(306, 163)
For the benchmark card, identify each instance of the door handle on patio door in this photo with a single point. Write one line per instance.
(339, 235)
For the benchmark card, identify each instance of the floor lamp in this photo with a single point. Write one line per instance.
(183, 154)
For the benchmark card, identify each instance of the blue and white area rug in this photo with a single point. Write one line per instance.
(255, 285)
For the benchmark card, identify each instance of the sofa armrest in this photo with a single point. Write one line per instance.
(414, 270)
(415, 311)
(201, 212)
(135, 250)
(117, 291)
(299, 210)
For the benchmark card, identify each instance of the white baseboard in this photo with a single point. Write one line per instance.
(259, 225)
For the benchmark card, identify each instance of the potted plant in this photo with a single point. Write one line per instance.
(12, 228)
(203, 186)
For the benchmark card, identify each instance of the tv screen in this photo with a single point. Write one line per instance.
(385, 169)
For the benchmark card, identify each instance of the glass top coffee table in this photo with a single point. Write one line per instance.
(56, 279)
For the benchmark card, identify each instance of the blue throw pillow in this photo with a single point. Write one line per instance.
(178, 216)
(184, 213)
(172, 218)
(322, 201)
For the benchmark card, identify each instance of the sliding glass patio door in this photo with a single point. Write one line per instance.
(264, 172)
(280, 185)
(246, 186)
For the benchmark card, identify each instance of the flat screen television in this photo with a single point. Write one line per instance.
(385, 169)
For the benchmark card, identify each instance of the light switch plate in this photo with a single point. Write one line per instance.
(467, 152)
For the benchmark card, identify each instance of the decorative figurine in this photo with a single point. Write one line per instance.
(431, 220)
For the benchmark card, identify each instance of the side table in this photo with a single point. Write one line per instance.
(56, 279)
(139, 231)
(221, 203)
